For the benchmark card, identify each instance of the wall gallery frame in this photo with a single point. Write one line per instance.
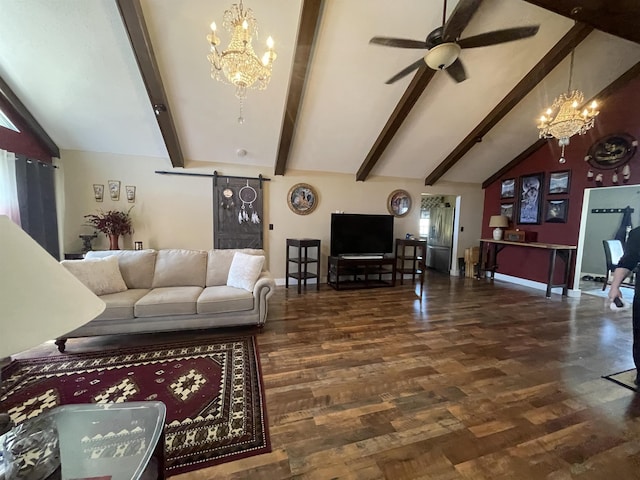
(130, 190)
(114, 189)
(530, 204)
(559, 182)
(98, 192)
(508, 188)
(556, 211)
(506, 209)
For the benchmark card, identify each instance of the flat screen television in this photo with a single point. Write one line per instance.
(361, 234)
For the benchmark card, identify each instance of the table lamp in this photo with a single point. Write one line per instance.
(40, 299)
(498, 222)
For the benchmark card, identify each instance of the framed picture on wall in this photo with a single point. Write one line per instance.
(559, 182)
(506, 209)
(98, 192)
(530, 204)
(508, 188)
(556, 211)
(114, 189)
(302, 199)
(399, 203)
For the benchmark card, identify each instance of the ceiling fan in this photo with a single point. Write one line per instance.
(444, 47)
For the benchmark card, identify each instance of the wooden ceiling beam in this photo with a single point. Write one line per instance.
(133, 20)
(18, 108)
(460, 18)
(402, 110)
(534, 147)
(559, 51)
(617, 17)
(606, 92)
(309, 22)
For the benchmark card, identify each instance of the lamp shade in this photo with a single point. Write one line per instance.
(500, 221)
(40, 299)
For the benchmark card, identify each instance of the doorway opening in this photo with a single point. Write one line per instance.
(602, 217)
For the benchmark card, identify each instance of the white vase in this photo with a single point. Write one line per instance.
(497, 233)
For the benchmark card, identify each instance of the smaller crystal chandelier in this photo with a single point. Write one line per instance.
(564, 119)
(238, 64)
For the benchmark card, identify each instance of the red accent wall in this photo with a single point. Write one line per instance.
(23, 143)
(620, 113)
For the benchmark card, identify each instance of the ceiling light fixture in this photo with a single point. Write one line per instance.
(238, 64)
(442, 56)
(564, 118)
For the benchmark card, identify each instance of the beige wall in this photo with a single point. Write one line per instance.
(176, 212)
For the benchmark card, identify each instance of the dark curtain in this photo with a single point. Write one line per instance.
(37, 200)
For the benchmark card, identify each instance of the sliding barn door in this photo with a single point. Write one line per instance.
(237, 212)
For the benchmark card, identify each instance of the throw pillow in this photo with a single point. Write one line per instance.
(245, 270)
(100, 275)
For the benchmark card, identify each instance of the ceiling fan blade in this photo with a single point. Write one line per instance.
(456, 70)
(403, 73)
(459, 19)
(398, 42)
(498, 36)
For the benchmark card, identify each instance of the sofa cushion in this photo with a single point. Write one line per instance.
(120, 305)
(180, 268)
(137, 266)
(219, 262)
(168, 301)
(245, 270)
(223, 299)
(100, 275)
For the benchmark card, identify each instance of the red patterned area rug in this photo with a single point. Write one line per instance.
(212, 390)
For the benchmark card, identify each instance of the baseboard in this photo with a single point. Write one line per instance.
(292, 281)
(527, 283)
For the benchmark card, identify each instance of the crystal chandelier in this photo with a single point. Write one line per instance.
(238, 64)
(564, 118)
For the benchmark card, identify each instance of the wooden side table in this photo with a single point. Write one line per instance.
(410, 259)
(303, 258)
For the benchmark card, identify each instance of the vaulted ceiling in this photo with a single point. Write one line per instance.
(131, 77)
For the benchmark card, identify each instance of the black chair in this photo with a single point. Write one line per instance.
(613, 251)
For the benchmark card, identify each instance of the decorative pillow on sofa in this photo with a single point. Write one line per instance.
(100, 275)
(245, 270)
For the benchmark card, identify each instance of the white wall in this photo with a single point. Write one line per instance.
(176, 211)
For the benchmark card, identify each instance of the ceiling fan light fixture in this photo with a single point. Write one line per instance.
(442, 56)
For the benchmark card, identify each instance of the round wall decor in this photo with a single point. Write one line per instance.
(612, 151)
(399, 203)
(302, 199)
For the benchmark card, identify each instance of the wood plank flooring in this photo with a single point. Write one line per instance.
(475, 380)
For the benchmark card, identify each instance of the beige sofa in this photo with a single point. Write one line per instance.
(167, 290)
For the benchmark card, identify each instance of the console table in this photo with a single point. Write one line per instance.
(361, 272)
(565, 252)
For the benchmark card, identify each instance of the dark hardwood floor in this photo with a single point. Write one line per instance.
(474, 380)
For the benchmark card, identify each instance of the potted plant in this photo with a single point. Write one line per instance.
(112, 223)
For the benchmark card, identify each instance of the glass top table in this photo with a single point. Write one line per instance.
(105, 441)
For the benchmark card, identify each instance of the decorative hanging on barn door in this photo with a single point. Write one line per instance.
(237, 212)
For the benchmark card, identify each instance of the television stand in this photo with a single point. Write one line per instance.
(356, 271)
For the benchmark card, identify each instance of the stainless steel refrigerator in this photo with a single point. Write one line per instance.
(440, 239)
